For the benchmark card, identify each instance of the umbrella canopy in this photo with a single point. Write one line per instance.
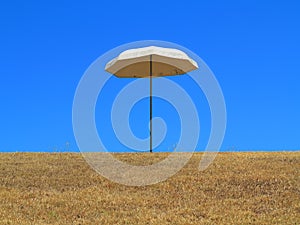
(165, 62)
(150, 62)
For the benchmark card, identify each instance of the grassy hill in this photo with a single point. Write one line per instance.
(238, 188)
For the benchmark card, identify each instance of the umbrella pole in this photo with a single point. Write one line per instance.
(150, 103)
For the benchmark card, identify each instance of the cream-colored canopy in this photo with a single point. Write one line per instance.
(164, 62)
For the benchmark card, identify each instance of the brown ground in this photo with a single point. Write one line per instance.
(238, 188)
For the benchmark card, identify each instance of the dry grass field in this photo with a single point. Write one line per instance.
(238, 188)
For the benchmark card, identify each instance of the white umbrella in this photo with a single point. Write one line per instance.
(150, 62)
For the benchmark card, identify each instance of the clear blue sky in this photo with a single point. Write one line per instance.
(253, 48)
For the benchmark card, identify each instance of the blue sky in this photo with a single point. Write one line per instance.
(252, 47)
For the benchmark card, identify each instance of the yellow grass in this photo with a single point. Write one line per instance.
(238, 188)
